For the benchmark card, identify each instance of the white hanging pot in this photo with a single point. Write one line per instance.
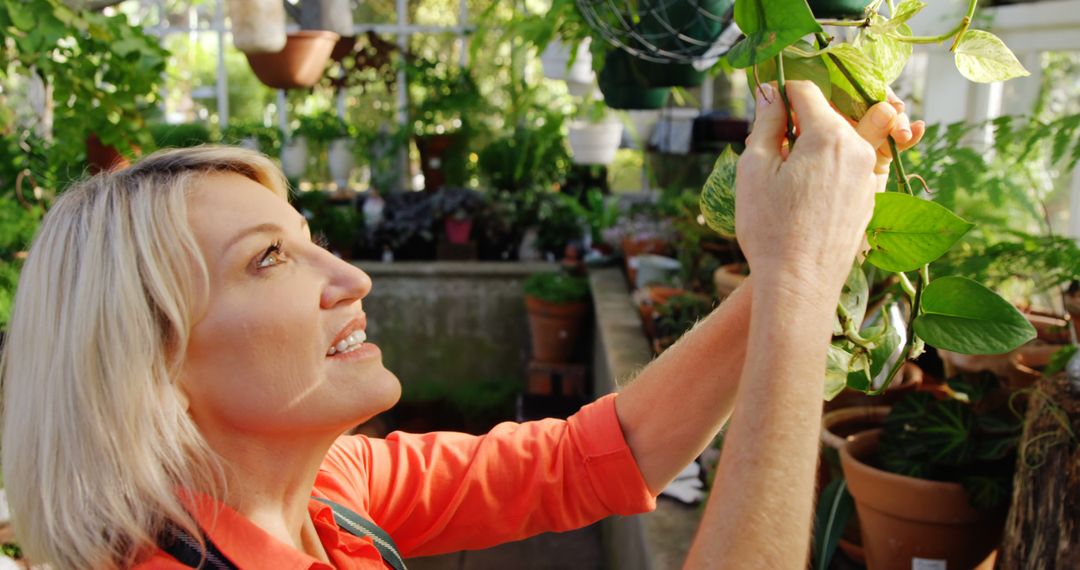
(556, 62)
(594, 143)
(341, 161)
(641, 125)
(258, 26)
(250, 143)
(294, 155)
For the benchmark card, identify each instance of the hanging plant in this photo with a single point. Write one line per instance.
(907, 232)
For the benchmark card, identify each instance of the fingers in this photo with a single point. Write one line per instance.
(810, 106)
(878, 123)
(770, 122)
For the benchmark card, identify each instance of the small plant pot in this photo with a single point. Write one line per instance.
(641, 125)
(103, 158)
(839, 9)
(299, 64)
(633, 246)
(626, 87)
(457, 231)
(594, 143)
(340, 158)
(653, 268)
(728, 277)
(556, 62)
(294, 157)
(907, 521)
(555, 328)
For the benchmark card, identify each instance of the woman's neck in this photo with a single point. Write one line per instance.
(270, 480)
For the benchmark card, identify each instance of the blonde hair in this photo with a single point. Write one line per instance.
(97, 443)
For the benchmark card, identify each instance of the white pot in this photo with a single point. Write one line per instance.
(641, 125)
(594, 143)
(294, 157)
(340, 158)
(655, 269)
(556, 62)
(258, 26)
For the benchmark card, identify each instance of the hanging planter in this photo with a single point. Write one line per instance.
(258, 26)
(839, 9)
(689, 27)
(556, 62)
(594, 143)
(624, 86)
(103, 158)
(642, 122)
(294, 157)
(299, 64)
(340, 157)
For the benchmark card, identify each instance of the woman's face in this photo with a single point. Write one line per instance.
(275, 349)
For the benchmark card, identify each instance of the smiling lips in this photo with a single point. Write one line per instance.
(351, 337)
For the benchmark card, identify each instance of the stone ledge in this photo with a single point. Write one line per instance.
(474, 269)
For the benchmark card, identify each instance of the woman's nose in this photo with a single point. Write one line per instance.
(347, 284)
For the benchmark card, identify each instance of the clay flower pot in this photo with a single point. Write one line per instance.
(555, 328)
(728, 277)
(457, 230)
(299, 64)
(908, 522)
(104, 158)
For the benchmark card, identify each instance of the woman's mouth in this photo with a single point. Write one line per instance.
(348, 344)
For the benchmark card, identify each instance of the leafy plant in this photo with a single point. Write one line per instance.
(680, 313)
(555, 287)
(408, 220)
(598, 212)
(268, 138)
(456, 202)
(322, 127)
(907, 232)
(559, 224)
(958, 439)
(179, 135)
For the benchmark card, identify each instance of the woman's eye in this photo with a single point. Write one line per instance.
(271, 257)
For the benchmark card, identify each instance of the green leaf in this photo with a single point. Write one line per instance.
(890, 54)
(718, 194)
(987, 492)
(906, 10)
(865, 71)
(963, 316)
(795, 67)
(837, 362)
(996, 447)
(853, 298)
(983, 58)
(835, 506)
(770, 26)
(907, 232)
(1059, 360)
(947, 432)
(22, 18)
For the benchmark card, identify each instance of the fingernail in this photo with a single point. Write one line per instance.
(883, 115)
(765, 95)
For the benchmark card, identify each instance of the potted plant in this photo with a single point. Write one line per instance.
(180, 135)
(326, 132)
(407, 227)
(935, 482)
(678, 314)
(557, 304)
(258, 26)
(455, 207)
(625, 86)
(594, 135)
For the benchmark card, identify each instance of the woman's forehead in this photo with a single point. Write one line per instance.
(222, 204)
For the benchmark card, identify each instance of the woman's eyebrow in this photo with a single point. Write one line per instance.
(263, 228)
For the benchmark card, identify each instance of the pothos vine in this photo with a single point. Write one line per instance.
(907, 233)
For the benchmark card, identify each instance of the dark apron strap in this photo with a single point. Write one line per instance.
(357, 525)
(185, 549)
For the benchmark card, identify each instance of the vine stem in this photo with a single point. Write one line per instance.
(905, 186)
(956, 33)
(787, 104)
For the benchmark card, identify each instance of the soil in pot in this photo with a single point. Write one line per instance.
(907, 521)
(555, 329)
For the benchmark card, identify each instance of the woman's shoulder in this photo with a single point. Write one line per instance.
(161, 561)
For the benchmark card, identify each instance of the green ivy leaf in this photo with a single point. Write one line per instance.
(963, 316)
(837, 362)
(796, 67)
(718, 194)
(983, 58)
(890, 54)
(907, 232)
(853, 298)
(947, 432)
(904, 12)
(770, 26)
(22, 19)
(864, 69)
(1059, 360)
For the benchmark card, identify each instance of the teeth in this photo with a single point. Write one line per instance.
(348, 343)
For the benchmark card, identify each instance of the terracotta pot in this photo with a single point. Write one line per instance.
(728, 277)
(457, 231)
(907, 521)
(1018, 369)
(555, 328)
(103, 158)
(659, 294)
(299, 64)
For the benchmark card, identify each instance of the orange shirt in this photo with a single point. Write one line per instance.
(444, 492)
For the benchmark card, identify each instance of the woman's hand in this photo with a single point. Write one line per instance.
(801, 215)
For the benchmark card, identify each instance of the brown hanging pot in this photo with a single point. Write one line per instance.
(103, 158)
(299, 64)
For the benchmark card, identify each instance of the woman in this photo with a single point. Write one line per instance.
(182, 358)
